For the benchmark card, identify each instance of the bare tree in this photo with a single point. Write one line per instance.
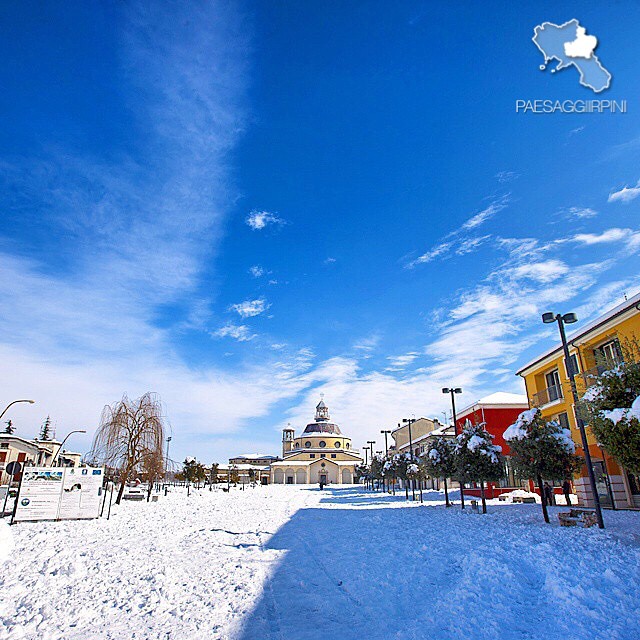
(131, 437)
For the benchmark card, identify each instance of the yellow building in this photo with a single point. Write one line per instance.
(593, 349)
(321, 454)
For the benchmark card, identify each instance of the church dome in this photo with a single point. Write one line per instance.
(322, 424)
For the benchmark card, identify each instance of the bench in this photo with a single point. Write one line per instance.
(525, 500)
(133, 496)
(575, 517)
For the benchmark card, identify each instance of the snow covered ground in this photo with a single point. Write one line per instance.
(285, 562)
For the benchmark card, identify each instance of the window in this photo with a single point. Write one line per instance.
(323, 455)
(4, 445)
(553, 385)
(307, 444)
(573, 367)
(333, 455)
(563, 419)
(336, 445)
(322, 444)
(312, 455)
(609, 354)
(348, 446)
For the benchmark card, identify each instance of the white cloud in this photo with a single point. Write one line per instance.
(506, 176)
(626, 194)
(437, 251)
(487, 213)
(401, 362)
(250, 308)
(257, 271)
(458, 241)
(241, 332)
(258, 220)
(470, 244)
(329, 260)
(545, 271)
(610, 235)
(580, 212)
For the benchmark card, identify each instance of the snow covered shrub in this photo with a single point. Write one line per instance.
(440, 461)
(541, 449)
(477, 458)
(614, 409)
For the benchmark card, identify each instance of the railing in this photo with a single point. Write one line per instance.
(589, 377)
(546, 396)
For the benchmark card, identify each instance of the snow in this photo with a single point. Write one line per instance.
(283, 562)
(434, 455)
(616, 415)
(518, 429)
(592, 393)
(564, 435)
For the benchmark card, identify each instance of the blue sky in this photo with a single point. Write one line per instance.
(241, 206)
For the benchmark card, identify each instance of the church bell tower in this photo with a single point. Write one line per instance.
(287, 439)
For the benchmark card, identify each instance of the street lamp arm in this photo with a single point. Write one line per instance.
(12, 403)
(53, 462)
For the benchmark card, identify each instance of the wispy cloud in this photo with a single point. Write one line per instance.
(241, 332)
(506, 176)
(625, 195)
(250, 308)
(397, 363)
(259, 220)
(459, 242)
(580, 213)
(257, 271)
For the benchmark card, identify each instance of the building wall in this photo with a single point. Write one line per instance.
(497, 420)
(623, 328)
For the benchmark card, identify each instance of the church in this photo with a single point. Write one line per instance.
(321, 454)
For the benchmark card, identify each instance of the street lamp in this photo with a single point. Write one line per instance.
(386, 432)
(570, 318)
(166, 459)
(452, 391)
(409, 422)
(14, 402)
(53, 462)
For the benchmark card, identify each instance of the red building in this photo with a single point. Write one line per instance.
(497, 411)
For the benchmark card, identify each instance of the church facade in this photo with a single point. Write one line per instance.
(322, 453)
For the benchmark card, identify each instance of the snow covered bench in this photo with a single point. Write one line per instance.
(576, 517)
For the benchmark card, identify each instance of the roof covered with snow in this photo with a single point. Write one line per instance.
(497, 399)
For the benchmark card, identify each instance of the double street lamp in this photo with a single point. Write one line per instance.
(452, 392)
(570, 318)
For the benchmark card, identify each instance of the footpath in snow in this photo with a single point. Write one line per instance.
(285, 563)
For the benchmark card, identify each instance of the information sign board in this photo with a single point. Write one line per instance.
(59, 493)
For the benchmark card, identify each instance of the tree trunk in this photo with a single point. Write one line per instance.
(149, 491)
(406, 490)
(446, 494)
(484, 502)
(544, 501)
(121, 490)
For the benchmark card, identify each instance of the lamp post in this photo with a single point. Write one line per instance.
(53, 462)
(409, 422)
(166, 459)
(12, 403)
(452, 391)
(570, 318)
(386, 432)
(371, 444)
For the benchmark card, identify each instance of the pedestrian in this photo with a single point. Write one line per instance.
(548, 494)
(566, 489)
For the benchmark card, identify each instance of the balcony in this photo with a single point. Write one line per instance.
(547, 396)
(589, 377)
